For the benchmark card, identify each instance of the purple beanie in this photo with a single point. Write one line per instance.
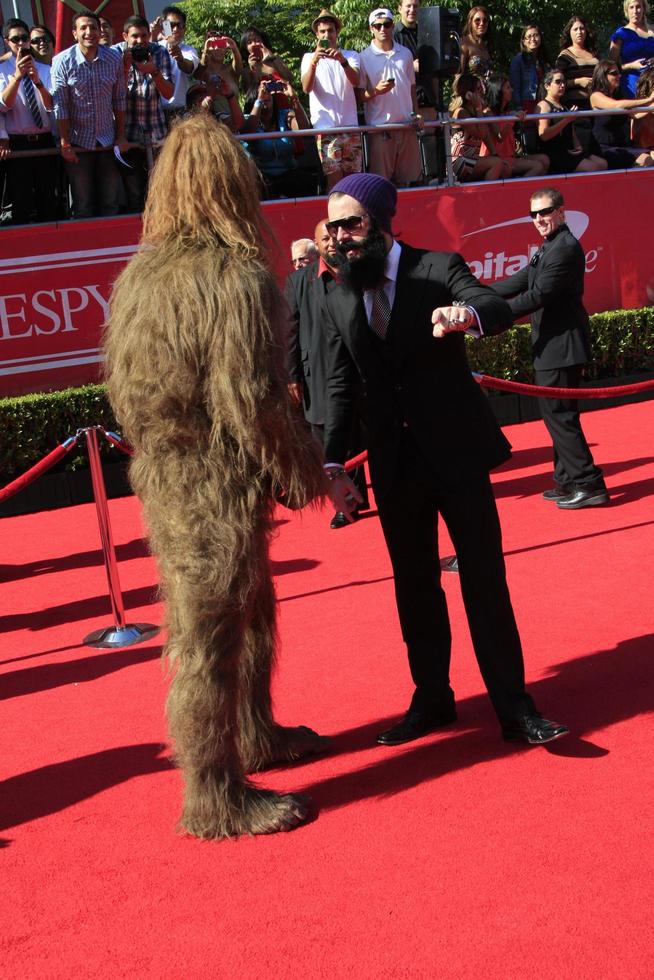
(377, 195)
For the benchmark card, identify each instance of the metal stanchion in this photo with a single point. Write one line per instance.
(121, 634)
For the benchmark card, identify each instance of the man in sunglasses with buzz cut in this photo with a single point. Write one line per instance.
(551, 289)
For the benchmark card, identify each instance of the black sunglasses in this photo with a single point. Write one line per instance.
(543, 212)
(41, 39)
(386, 23)
(18, 38)
(347, 224)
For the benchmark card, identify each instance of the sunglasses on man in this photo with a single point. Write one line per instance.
(543, 212)
(18, 38)
(352, 223)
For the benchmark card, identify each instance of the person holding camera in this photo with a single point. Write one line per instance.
(26, 109)
(330, 77)
(168, 31)
(89, 103)
(388, 92)
(213, 67)
(148, 78)
(275, 158)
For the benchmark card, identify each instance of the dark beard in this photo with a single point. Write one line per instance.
(365, 270)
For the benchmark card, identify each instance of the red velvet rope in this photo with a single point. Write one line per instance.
(536, 390)
(41, 467)
(119, 443)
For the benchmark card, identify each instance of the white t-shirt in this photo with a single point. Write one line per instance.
(332, 101)
(395, 106)
(181, 79)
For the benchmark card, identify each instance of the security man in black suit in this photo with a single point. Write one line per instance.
(551, 289)
(395, 346)
(305, 292)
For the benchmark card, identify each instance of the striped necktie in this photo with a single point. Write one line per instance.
(30, 95)
(380, 316)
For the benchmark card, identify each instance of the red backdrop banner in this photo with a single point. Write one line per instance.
(55, 281)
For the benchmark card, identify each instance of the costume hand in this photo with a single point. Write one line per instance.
(344, 495)
(451, 319)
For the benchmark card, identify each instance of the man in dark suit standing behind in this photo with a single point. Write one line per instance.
(551, 289)
(305, 292)
(395, 347)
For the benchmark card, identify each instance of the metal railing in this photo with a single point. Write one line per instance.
(422, 128)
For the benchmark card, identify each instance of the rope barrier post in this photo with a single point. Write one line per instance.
(121, 634)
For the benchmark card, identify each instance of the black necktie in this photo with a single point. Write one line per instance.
(30, 95)
(380, 316)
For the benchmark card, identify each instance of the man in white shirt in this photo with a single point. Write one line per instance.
(329, 77)
(184, 57)
(388, 91)
(26, 108)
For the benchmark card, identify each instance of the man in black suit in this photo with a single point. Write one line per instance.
(551, 289)
(395, 347)
(305, 292)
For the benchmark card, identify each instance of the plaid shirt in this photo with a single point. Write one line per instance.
(89, 93)
(144, 105)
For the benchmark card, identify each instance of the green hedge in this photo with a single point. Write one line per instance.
(623, 343)
(32, 425)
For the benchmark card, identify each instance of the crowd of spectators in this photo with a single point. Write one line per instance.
(106, 105)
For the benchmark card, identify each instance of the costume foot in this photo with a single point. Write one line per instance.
(248, 811)
(292, 744)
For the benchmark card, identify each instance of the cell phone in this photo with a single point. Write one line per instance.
(167, 29)
(216, 42)
(257, 49)
(323, 42)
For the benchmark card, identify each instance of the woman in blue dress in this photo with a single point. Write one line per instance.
(632, 46)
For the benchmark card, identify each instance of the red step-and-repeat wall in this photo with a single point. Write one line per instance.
(55, 280)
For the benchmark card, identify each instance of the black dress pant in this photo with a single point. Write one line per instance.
(409, 511)
(32, 181)
(574, 467)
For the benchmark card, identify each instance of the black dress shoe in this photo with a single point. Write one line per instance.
(414, 725)
(340, 520)
(556, 493)
(583, 498)
(533, 729)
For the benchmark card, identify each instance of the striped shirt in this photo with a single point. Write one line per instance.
(89, 93)
(144, 104)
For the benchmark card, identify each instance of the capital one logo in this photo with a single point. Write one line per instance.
(493, 265)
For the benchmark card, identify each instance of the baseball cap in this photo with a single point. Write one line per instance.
(381, 13)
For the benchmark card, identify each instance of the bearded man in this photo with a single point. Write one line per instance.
(394, 332)
(198, 384)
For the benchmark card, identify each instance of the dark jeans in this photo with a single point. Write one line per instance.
(94, 183)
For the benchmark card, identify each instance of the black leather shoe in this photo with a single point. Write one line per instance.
(533, 729)
(340, 520)
(414, 725)
(583, 498)
(556, 493)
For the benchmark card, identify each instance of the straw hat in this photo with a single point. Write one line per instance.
(325, 15)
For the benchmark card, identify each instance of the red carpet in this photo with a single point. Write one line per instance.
(454, 857)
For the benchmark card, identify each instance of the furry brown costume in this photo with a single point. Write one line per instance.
(195, 353)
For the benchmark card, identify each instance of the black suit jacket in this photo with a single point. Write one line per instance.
(411, 379)
(305, 292)
(551, 290)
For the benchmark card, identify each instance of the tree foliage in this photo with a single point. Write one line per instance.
(289, 23)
